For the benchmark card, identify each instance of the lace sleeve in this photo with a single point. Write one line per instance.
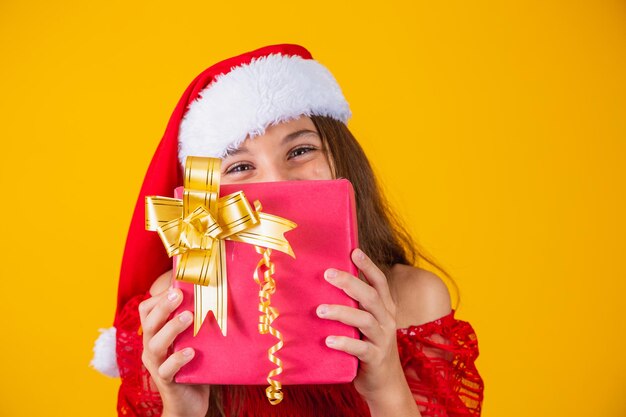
(438, 361)
(138, 396)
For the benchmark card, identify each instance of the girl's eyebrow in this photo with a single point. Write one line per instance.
(289, 138)
(294, 135)
(237, 151)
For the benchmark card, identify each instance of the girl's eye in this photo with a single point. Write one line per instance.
(300, 151)
(240, 167)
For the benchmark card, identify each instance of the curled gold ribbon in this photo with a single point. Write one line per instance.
(197, 226)
(274, 391)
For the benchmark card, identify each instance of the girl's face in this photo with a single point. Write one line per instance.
(287, 151)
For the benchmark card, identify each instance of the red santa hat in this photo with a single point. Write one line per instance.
(235, 99)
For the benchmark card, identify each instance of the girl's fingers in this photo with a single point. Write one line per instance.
(159, 344)
(159, 334)
(361, 319)
(146, 306)
(374, 276)
(365, 294)
(172, 365)
(359, 348)
(158, 315)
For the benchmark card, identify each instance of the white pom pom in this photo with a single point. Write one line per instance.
(104, 358)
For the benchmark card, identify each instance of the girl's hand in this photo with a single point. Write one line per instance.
(158, 335)
(380, 379)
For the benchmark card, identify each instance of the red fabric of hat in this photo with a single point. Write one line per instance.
(145, 258)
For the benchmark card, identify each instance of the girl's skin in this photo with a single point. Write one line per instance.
(406, 296)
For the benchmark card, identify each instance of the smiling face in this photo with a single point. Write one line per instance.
(324, 148)
(285, 152)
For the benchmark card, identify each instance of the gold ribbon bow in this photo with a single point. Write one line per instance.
(196, 228)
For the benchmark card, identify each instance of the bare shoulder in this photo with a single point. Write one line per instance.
(420, 295)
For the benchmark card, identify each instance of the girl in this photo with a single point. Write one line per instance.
(275, 114)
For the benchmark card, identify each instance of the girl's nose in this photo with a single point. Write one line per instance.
(275, 174)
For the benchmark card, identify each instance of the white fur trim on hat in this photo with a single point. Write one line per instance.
(104, 357)
(245, 101)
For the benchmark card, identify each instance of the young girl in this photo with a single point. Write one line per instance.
(275, 114)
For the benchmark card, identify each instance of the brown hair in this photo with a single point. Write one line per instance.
(383, 237)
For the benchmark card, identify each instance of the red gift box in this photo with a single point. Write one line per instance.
(325, 236)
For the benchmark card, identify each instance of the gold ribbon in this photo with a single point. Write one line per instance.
(267, 287)
(197, 226)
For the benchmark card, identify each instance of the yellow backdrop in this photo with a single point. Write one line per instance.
(498, 129)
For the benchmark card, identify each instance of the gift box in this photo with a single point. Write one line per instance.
(325, 236)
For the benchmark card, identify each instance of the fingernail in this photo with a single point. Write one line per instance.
(322, 310)
(360, 255)
(330, 273)
(187, 352)
(185, 317)
(172, 295)
(331, 340)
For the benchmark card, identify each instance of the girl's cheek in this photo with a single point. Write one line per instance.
(317, 168)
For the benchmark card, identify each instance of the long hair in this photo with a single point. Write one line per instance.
(382, 237)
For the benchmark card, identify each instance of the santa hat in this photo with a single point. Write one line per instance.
(232, 100)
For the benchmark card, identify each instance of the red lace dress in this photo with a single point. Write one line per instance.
(437, 357)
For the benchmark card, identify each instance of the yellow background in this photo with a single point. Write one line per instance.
(498, 128)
